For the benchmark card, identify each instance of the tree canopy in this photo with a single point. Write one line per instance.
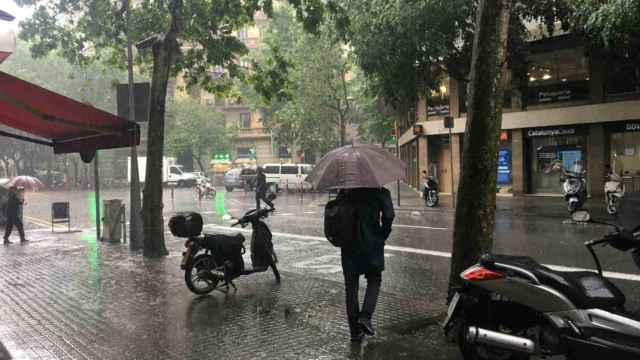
(195, 129)
(305, 85)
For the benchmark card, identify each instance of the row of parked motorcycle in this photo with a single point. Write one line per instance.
(574, 187)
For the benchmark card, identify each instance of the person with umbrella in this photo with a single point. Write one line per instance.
(360, 173)
(14, 213)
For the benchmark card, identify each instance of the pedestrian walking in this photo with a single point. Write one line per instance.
(364, 255)
(261, 189)
(14, 213)
(359, 221)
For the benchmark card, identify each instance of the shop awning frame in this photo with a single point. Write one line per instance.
(55, 120)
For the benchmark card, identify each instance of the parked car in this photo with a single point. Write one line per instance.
(290, 176)
(240, 178)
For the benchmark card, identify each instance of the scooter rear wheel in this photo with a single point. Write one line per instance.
(199, 274)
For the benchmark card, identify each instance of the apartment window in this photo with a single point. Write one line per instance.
(245, 120)
(624, 74)
(560, 75)
(283, 152)
(244, 153)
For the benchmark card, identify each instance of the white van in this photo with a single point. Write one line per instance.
(290, 176)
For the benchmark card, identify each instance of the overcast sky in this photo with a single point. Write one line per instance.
(13, 9)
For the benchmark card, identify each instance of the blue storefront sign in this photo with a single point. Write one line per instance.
(504, 167)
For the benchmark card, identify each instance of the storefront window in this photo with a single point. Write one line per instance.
(624, 74)
(625, 153)
(551, 151)
(438, 100)
(560, 75)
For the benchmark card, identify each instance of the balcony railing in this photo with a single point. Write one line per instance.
(253, 132)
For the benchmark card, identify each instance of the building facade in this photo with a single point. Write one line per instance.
(575, 110)
(254, 143)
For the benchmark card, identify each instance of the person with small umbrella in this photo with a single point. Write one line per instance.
(14, 213)
(360, 173)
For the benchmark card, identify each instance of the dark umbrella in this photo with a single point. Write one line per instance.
(357, 166)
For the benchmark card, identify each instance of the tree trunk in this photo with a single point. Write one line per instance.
(342, 128)
(163, 57)
(475, 207)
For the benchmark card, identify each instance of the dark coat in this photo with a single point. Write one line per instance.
(375, 214)
(14, 203)
(261, 183)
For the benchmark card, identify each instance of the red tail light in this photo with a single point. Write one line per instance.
(481, 274)
(188, 243)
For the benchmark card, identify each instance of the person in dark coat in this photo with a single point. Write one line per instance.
(14, 215)
(261, 189)
(365, 255)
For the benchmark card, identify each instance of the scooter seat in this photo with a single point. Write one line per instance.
(213, 241)
(585, 289)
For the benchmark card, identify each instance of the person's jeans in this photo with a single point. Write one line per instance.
(9, 227)
(351, 283)
(262, 196)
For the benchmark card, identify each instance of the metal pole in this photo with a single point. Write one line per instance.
(135, 222)
(398, 155)
(453, 191)
(96, 176)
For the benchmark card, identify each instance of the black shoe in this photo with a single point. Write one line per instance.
(366, 326)
(24, 240)
(7, 242)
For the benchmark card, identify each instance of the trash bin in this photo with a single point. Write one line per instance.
(112, 220)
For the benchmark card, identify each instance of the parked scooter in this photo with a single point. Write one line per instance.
(613, 192)
(212, 261)
(512, 307)
(430, 192)
(205, 189)
(574, 187)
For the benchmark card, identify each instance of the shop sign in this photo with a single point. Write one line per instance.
(568, 91)
(632, 126)
(560, 131)
(504, 167)
(626, 126)
(438, 110)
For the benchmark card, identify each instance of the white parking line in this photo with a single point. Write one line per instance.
(410, 250)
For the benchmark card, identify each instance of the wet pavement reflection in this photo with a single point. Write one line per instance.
(68, 296)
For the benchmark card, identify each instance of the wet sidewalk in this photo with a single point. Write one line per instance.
(70, 297)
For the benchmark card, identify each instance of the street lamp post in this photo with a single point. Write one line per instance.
(398, 155)
(448, 123)
(135, 220)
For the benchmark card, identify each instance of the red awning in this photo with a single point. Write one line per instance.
(68, 125)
